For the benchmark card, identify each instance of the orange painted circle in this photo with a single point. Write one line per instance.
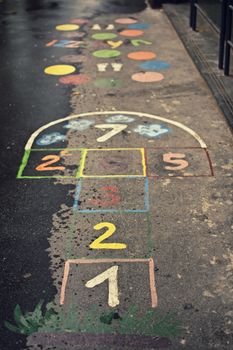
(75, 79)
(126, 20)
(141, 55)
(131, 32)
(147, 77)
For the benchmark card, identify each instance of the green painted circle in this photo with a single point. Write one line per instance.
(104, 36)
(108, 83)
(106, 53)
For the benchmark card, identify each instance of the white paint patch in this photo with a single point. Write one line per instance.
(96, 27)
(117, 67)
(120, 118)
(110, 27)
(102, 67)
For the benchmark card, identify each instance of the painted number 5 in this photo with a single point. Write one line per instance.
(111, 228)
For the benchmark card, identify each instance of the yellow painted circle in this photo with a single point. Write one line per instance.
(67, 27)
(60, 69)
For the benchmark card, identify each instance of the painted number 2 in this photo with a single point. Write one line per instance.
(50, 159)
(111, 228)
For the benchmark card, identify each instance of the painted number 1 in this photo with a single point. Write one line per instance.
(111, 228)
(110, 275)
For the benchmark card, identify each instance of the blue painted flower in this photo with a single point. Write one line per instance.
(49, 139)
(119, 118)
(153, 130)
(79, 125)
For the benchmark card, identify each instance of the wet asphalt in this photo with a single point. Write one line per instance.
(28, 100)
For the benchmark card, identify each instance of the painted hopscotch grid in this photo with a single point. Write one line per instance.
(80, 164)
(204, 150)
(151, 268)
(145, 209)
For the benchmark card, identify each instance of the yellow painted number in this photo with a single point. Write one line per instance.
(111, 228)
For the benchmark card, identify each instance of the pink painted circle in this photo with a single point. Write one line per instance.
(75, 79)
(79, 21)
(126, 20)
(73, 58)
(147, 77)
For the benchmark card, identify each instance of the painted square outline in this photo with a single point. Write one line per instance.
(90, 211)
(26, 158)
(143, 163)
(211, 174)
(151, 266)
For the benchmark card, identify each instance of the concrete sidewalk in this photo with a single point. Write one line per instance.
(140, 249)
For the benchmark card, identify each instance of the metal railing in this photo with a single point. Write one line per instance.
(223, 28)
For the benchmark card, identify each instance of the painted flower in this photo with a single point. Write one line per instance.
(79, 125)
(153, 130)
(48, 139)
(119, 118)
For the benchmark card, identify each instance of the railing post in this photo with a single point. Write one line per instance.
(193, 15)
(222, 34)
(228, 37)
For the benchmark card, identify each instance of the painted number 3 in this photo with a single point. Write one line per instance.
(111, 228)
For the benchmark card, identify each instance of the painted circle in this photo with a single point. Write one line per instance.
(131, 32)
(126, 20)
(75, 79)
(67, 27)
(155, 65)
(79, 20)
(147, 77)
(106, 83)
(104, 36)
(139, 26)
(141, 55)
(106, 53)
(73, 58)
(60, 69)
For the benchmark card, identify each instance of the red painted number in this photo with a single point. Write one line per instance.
(176, 160)
(111, 197)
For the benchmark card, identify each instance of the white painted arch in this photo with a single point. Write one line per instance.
(138, 114)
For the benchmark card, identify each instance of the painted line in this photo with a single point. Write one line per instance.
(141, 115)
(150, 262)
(77, 194)
(146, 195)
(112, 176)
(23, 164)
(143, 161)
(210, 162)
(82, 163)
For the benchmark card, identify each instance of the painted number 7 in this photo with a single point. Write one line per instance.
(111, 228)
(116, 129)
